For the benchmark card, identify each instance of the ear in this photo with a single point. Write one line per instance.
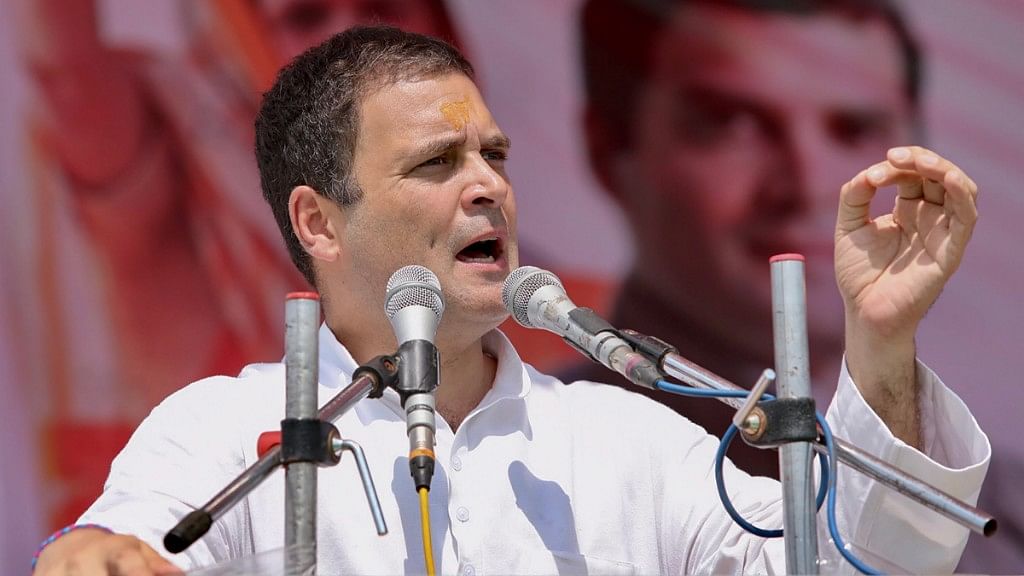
(316, 222)
(601, 153)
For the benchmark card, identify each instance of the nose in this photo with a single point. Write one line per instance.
(486, 186)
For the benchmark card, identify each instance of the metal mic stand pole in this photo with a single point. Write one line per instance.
(789, 326)
(302, 319)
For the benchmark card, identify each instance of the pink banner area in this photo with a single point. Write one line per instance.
(660, 157)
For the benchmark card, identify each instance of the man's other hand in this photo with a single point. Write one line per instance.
(93, 552)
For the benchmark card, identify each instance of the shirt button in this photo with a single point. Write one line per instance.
(468, 570)
(456, 463)
(462, 514)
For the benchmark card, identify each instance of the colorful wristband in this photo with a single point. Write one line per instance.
(53, 538)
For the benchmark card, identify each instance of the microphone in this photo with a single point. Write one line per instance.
(414, 305)
(537, 299)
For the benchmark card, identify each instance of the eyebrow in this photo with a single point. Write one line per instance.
(444, 144)
(499, 140)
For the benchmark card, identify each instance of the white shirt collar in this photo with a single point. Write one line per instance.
(511, 381)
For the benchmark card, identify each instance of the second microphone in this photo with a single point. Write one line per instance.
(414, 306)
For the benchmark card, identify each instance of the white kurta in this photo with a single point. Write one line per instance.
(540, 478)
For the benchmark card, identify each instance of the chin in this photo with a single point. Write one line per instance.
(479, 309)
(494, 313)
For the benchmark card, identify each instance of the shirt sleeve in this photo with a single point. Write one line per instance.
(887, 529)
(884, 528)
(166, 470)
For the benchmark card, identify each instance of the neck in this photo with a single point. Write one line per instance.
(467, 373)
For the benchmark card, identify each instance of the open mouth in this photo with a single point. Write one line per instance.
(486, 251)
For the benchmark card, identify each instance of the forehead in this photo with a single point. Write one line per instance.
(801, 58)
(411, 110)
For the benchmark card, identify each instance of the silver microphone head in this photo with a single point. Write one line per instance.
(413, 303)
(520, 286)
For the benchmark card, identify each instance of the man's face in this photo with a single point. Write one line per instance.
(299, 24)
(430, 161)
(743, 136)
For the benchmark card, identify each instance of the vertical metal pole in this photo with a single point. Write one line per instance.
(302, 321)
(789, 325)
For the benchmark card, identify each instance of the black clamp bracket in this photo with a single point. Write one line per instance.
(654, 349)
(773, 423)
(418, 367)
(591, 323)
(383, 370)
(309, 440)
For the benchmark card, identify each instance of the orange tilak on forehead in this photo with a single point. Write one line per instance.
(456, 113)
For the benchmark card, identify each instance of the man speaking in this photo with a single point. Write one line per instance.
(376, 151)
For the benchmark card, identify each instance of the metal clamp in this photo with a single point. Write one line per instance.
(308, 440)
(749, 418)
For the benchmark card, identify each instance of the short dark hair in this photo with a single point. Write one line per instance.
(618, 36)
(308, 122)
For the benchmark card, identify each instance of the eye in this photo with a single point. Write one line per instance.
(436, 161)
(496, 155)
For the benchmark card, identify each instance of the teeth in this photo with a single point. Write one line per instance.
(476, 259)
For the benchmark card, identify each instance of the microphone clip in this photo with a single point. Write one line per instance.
(655, 349)
(383, 372)
(417, 369)
(590, 323)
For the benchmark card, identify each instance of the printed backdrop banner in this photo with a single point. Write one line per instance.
(139, 255)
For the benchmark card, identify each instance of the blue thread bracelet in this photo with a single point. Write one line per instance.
(53, 538)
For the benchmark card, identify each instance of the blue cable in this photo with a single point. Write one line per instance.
(724, 497)
(723, 447)
(702, 393)
(826, 488)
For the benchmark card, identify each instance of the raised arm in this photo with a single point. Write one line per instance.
(891, 269)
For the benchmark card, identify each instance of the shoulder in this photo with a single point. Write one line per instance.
(221, 403)
(254, 378)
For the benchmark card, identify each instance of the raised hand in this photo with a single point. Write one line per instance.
(891, 269)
